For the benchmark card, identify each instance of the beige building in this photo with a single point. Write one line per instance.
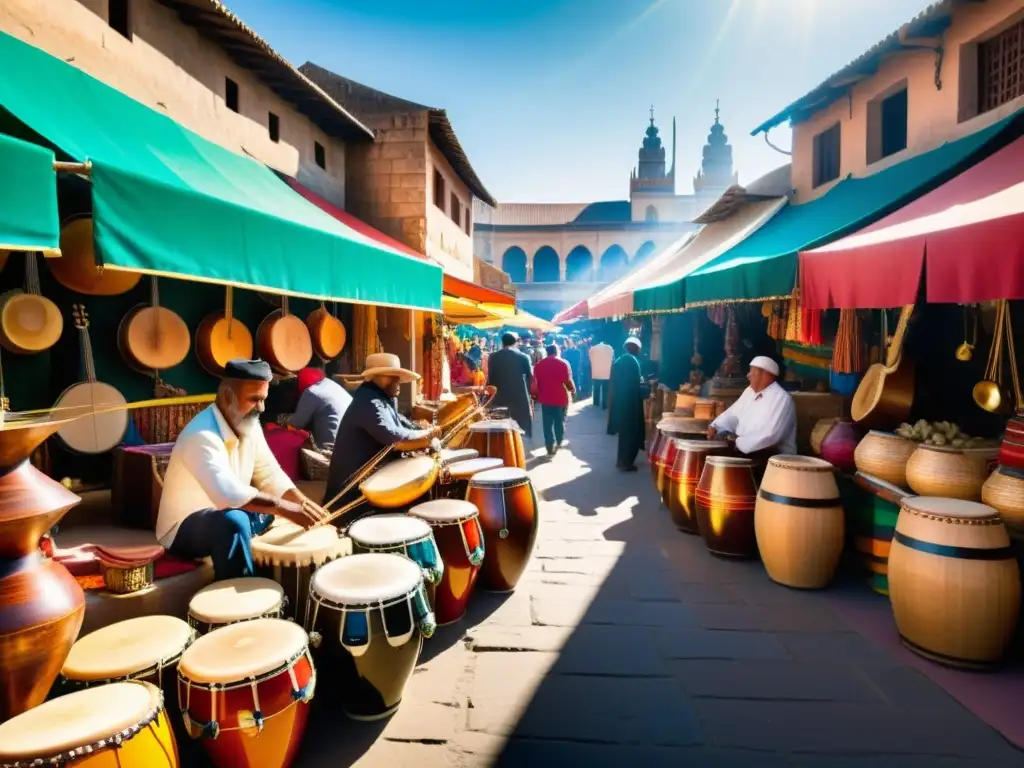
(956, 68)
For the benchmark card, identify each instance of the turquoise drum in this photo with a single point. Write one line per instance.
(401, 535)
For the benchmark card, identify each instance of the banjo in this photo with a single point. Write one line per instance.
(94, 432)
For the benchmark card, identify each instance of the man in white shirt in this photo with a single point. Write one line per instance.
(601, 356)
(223, 485)
(764, 417)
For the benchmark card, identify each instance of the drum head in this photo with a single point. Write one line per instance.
(397, 474)
(126, 648)
(386, 530)
(443, 511)
(224, 602)
(241, 651)
(367, 579)
(454, 455)
(499, 477)
(800, 463)
(951, 508)
(466, 469)
(288, 544)
(78, 720)
(701, 445)
(729, 461)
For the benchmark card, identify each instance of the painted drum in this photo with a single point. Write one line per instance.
(455, 479)
(498, 439)
(508, 515)
(682, 478)
(725, 498)
(401, 535)
(232, 600)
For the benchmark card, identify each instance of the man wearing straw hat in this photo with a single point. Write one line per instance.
(371, 422)
(764, 417)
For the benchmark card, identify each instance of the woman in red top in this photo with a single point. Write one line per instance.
(552, 385)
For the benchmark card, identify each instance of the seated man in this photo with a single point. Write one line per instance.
(223, 485)
(764, 417)
(322, 403)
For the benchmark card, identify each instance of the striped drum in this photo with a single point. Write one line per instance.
(725, 499)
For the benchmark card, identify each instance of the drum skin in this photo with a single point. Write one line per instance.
(682, 477)
(512, 509)
(725, 498)
(499, 441)
(458, 485)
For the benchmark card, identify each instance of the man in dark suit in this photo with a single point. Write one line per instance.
(511, 372)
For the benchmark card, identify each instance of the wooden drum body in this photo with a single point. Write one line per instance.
(367, 620)
(233, 600)
(460, 540)
(798, 519)
(244, 691)
(455, 479)
(121, 725)
(501, 439)
(400, 535)
(725, 499)
(953, 581)
(682, 477)
(508, 515)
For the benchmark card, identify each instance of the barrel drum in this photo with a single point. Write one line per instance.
(725, 499)
(682, 478)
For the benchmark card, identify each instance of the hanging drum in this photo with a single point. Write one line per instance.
(79, 270)
(29, 322)
(283, 340)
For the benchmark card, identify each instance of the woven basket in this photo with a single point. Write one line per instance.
(124, 581)
(1005, 492)
(885, 456)
(315, 464)
(954, 473)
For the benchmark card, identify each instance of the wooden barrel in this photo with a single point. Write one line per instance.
(725, 498)
(954, 582)
(799, 522)
(681, 480)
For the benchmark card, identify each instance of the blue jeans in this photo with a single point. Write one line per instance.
(553, 417)
(224, 536)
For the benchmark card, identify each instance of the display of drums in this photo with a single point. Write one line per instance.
(233, 600)
(725, 499)
(369, 614)
(120, 725)
(501, 439)
(401, 535)
(290, 555)
(460, 540)
(508, 516)
(456, 481)
(244, 691)
(798, 521)
(954, 583)
(663, 459)
(682, 477)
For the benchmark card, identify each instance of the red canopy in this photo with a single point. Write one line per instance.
(576, 311)
(967, 235)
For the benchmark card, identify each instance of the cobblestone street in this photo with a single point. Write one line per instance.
(626, 644)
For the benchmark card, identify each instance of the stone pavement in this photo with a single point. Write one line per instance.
(627, 644)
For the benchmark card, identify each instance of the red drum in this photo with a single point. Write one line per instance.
(499, 440)
(508, 516)
(245, 689)
(460, 539)
(725, 498)
(653, 452)
(682, 477)
(663, 461)
(454, 483)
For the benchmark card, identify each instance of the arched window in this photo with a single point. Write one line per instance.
(513, 263)
(545, 265)
(579, 265)
(644, 251)
(614, 264)
(651, 214)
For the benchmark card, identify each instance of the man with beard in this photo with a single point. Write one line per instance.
(223, 485)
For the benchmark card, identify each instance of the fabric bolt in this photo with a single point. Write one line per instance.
(761, 420)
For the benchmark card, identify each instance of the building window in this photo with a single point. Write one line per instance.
(826, 155)
(651, 214)
(887, 123)
(118, 17)
(320, 154)
(1001, 68)
(438, 189)
(231, 94)
(455, 210)
(467, 222)
(274, 127)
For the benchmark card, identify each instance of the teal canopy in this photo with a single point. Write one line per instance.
(168, 202)
(763, 266)
(28, 198)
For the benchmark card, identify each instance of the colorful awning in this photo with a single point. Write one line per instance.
(577, 311)
(28, 198)
(967, 236)
(168, 202)
(764, 265)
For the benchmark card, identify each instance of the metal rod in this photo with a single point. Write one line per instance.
(83, 168)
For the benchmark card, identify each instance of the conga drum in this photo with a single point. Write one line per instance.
(508, 516)
(725, 499)
(451, 456)
(954, 583)
(663, 461)
(682, 477)
(799, 522)
(234, 600)
(367, 620)
(653, 452)
(457, 477)
(290, 555)
(244, 691)
(120, 725)
(400, 535)
(499, 440)
(460, 540)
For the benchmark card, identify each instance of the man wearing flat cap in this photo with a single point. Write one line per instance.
(223, 485)
(764, 417)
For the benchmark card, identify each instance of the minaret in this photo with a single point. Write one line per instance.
(716, 173)
(652, 155)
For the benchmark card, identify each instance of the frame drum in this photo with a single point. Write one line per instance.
(245, 691)
(402, 535)
(401, 482)
(368, 616)
(508, 516)
(233, 600)
(457, 477)
(499, 439)
(120, 725)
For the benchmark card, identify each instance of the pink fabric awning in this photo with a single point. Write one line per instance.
(575, 312)
(967, 236)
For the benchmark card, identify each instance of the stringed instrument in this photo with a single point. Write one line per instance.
(283, 340)
(94, 432)
(78, 270)
(326, 332)
(222, 337)
(153, 338)
(29, 322)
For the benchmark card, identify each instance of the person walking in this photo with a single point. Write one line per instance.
(626, 417)
(601, 371)
(510, 371)
(553, 384)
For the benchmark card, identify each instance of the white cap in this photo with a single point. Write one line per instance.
(634, 340)
(765, 364)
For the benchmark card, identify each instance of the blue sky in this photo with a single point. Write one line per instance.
(550, 98)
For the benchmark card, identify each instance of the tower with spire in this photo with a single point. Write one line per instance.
(716, 173)
(650, 174)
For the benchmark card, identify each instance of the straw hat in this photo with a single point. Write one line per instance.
(386, 364)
